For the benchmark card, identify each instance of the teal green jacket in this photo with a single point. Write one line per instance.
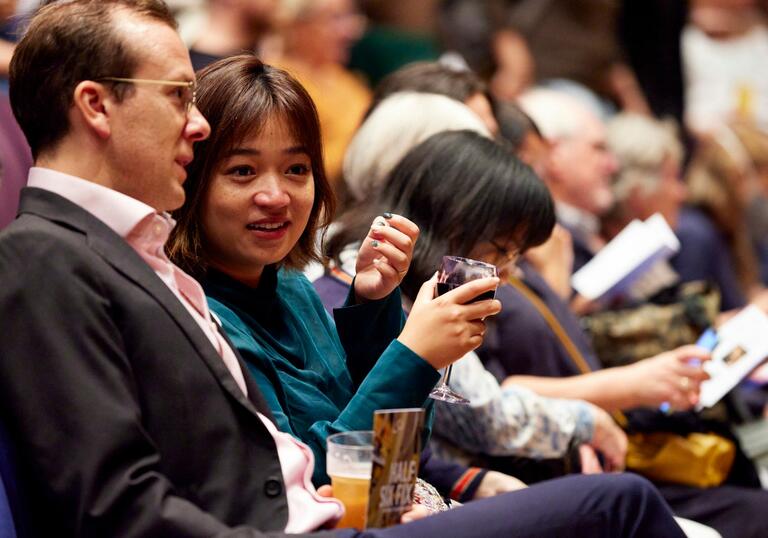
(318, 377)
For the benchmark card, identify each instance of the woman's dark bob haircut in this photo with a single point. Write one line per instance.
(462, 190)
(237, 96)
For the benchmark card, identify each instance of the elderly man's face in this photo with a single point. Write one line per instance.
(584, 168)
(666, 197)
(152, 132)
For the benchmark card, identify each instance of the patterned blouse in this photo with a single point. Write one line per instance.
(509, 421)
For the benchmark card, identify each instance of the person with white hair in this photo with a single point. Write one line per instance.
(648, 179)
(579, 167)
(394, 127)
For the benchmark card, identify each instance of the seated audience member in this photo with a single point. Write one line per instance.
(578, 167)
(437, 77)
(382, 140)
(16, 161)
(316, 39)
(523, 349)
(649, 182)
(516, 210)
(257, 194)
(648, 179)
(129, 413)
(714, 231)
(256, 203)
(7, 10)
(230, 27)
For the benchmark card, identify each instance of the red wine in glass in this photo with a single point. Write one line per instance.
(455, 271)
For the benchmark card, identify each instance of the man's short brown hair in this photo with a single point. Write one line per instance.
(69, 41)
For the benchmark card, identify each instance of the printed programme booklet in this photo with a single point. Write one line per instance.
(738, 347)
(632, 265)
(396, 454)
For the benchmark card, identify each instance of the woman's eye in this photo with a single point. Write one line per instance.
(180, 93)
(240, 171)
(298, 170)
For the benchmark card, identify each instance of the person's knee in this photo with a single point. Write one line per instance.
(634, 496)
(632, 486)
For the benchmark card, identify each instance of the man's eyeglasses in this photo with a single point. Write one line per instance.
(510, 255)
(188, 89)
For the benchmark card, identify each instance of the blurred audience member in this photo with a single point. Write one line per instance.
(7, 10)
(395, 126)
(460, 84)
(755, 164)
(648, 179)
(316, 38)
(578, 168)
(716, 242)
(510, 41)
(230, 27)
(504, 204)
(15, 159)
(723, 48)
(400, 32)
(496, 51)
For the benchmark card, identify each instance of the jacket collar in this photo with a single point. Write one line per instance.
(119, 254)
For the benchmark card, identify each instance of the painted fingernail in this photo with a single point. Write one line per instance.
(374, 243)
(387, 215)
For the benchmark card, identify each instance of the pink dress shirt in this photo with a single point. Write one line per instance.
(147, 231)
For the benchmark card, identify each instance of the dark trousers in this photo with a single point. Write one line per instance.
(733, 511)
(593, 506)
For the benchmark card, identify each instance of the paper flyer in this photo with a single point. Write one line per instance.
(623, 268)
(738, 347)
(396, 453)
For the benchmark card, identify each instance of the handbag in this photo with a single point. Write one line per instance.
(702, 460)
(625, 335)
(696, 459)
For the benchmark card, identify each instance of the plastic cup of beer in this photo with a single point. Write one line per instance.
(349, 463)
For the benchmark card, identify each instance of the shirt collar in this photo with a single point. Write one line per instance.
(575, 218)
(117, 210)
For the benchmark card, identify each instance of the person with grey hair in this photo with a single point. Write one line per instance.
(397, 124)
(648, 180)
(579, 167)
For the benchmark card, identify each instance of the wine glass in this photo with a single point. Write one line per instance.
(455, 271)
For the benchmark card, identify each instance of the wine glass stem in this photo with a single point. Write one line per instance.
(447, 376)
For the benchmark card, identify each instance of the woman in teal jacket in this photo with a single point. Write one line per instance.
(256, 196)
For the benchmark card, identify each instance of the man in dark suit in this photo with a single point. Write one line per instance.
(129, 413)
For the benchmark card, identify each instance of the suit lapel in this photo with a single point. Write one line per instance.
(121, 256)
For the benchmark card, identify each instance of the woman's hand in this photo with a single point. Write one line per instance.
(384, 256)
(495, 483)
(443, 329)
(590, 463)
(609, 440)
(673, 377)
(416, 512)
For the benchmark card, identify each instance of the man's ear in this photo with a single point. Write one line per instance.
(556, 162)
(94, 102)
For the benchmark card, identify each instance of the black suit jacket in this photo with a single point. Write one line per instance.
(125, 420)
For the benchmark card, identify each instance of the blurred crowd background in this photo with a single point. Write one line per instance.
(698, 65)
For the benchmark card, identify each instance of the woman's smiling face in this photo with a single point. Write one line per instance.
(258, 203)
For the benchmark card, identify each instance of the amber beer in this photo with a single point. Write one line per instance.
(353, 492)
(348, 463)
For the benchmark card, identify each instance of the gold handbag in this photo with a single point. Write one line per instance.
(702, 460)
(697, 459)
